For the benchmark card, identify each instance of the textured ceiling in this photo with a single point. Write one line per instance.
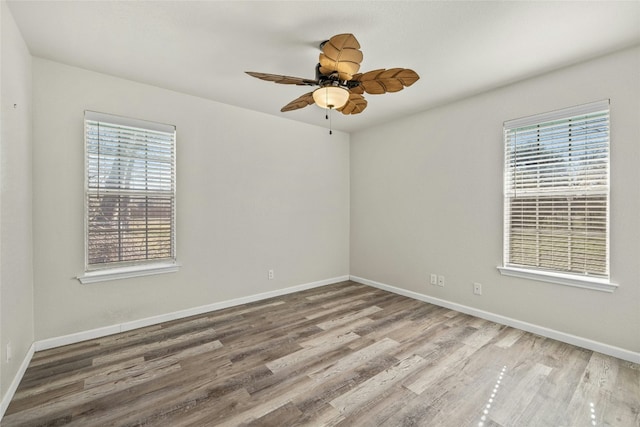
(203, 48)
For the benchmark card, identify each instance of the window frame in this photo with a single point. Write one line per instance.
(598, 282)
(141, 267)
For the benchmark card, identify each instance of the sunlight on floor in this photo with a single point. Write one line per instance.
(485, 411)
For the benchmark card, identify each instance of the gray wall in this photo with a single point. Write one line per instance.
(426, 197)
(255, 192)
(16, 245)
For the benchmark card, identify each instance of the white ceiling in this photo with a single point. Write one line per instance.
(203, 48)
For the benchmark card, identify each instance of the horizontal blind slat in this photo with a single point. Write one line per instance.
(130, 167)
(556, 186)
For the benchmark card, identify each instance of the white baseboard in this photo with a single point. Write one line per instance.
(154, 320)
(6, 399)
(610, 350)
(127, 326)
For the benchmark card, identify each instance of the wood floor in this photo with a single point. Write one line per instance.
(344, 354)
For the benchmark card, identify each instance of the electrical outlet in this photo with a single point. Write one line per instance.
(441, 281)
(477, 288)
(9, 353)
(434, 279)
(270, 275)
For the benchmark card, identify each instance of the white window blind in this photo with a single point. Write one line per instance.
(130, 191)
(556, 187)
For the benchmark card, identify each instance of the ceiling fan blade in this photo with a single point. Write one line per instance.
(300, 102)
(341, 54)
(286, 80)
(355, 105)
(381, 81)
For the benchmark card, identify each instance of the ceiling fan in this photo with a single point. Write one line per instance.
(340, 85)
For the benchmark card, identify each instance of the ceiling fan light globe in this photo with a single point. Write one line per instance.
(331, 97)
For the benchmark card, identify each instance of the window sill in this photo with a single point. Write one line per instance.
(127, 272)
(563, 279)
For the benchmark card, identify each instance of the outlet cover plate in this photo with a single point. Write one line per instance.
(477, 288)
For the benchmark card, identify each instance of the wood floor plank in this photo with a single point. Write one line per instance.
(328, 309)
(469, 391)
(46, 394)
(378, 411)
(79, 376)
(332, 293)
(324, 392)
(331, 334)
(522, 391)
(360, 395)
(592, 393)
(353, 360)
(348, 318)
(344, 354)
(151, 402)
(307, 353)
(271, 403)
(425, 378)
(61, 404)
(568, 363)
(624, 410)
(510, 337)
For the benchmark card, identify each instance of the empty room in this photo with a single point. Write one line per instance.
(305, 213)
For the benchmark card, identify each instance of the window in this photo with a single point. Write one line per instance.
(556, 196)
(130, 196)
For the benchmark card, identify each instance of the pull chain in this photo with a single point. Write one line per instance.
(328, 117)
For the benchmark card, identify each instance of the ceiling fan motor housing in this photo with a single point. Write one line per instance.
(333, 80)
